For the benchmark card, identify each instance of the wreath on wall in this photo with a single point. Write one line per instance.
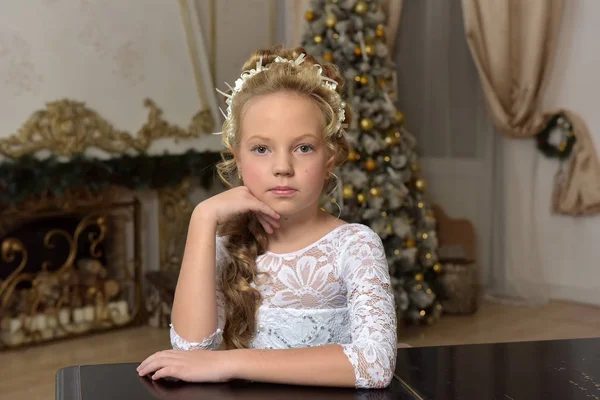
(557, 139)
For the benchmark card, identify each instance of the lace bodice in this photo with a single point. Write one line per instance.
(336, 290)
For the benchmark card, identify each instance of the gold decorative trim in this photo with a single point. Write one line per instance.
(174, 215)
(67, 127)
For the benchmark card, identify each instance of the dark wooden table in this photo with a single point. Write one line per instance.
(121, 381)
(555, 369)
(560, 369)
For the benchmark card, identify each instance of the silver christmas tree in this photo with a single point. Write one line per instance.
(380, 185)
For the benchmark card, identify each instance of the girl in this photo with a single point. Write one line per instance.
(293, 294)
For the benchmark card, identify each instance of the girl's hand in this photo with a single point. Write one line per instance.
(189, 366)
(234, 202)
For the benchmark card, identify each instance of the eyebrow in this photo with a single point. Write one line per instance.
(265, 139)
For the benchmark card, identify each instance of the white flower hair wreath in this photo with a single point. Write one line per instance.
(239, 83)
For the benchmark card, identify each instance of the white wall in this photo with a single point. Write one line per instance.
(110, 54)
(570, 249)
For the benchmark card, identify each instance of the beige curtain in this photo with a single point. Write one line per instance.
(294, 11)
(393, 12)
(513, 43)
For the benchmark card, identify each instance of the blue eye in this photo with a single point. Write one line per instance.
(259, 149)
(305, 148)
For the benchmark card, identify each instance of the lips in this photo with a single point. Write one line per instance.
(283, 190)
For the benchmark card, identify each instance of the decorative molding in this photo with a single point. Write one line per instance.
(67, 127)
(175, 211)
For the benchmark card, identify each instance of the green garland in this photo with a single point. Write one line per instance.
(557, 139)
(29, 176)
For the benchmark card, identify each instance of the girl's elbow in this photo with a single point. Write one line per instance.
(381, 382)
(386, 380)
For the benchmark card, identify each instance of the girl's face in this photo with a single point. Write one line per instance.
(281, 155)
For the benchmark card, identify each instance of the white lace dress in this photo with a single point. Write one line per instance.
(336, 290)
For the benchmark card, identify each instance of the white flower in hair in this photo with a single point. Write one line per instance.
(239, 84)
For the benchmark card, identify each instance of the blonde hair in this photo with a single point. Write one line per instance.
(247, 237)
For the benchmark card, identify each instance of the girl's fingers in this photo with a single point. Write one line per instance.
(165, 372)
(154, 362)
(274, 223)
(263, 221)
(265, 209)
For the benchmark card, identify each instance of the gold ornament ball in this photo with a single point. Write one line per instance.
(420, 184)
(357, 78)
(371, 165)
(410, 243)
(389, 229)
(348, 191)
(318, 39)
(353, 156)
(364, 80)
(366, 124)
(380, 31)
(437, 268)
(399, 117)
(328, 56)
(309, 16)
(357, 51)
(375, 192)
(415, 166)
(370, 50)
(361, 198)
(391, 139)
(330, 21)
(361, 7)
(420, 277)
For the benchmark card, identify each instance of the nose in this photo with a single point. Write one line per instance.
(283, 165)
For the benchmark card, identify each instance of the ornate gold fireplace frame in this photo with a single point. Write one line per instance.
(66, 128)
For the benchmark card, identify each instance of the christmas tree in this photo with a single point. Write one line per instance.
(380, 184)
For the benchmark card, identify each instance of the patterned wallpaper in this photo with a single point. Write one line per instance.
(110, 54)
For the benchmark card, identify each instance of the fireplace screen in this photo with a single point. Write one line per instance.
(69, 272)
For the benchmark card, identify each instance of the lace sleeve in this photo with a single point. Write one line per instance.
(373, 350)
(216, 338)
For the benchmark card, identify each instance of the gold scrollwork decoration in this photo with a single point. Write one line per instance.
(67, 127)
(175, 211)
(70, 299)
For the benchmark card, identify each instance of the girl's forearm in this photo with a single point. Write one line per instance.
(194, 313)
(319, 366)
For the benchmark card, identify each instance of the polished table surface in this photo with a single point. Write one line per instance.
(121, 381)
(554, 369)
(558, 369)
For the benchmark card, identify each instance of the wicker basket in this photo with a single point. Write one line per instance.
(461, 281)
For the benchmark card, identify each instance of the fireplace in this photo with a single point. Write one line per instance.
(73, 255)
(66, 267)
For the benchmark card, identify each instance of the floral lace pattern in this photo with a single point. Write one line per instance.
(336, 290)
